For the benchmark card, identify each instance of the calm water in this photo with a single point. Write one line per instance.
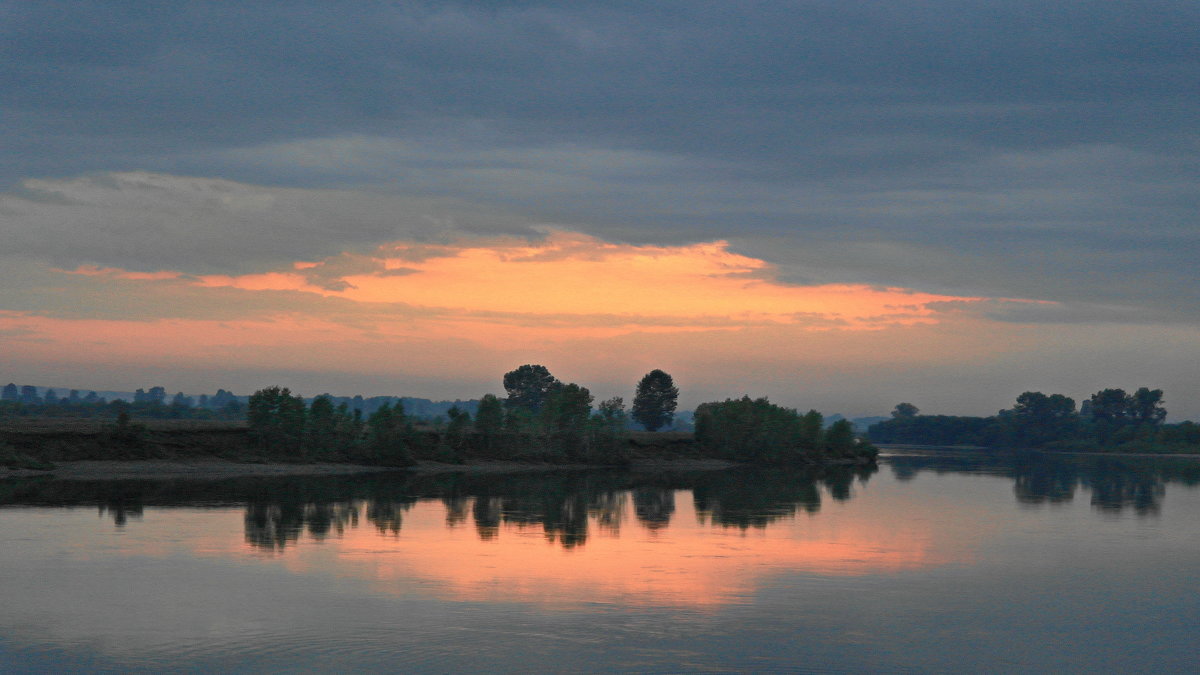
(940, 562)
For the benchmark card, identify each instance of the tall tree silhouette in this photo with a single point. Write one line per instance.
(655, 400)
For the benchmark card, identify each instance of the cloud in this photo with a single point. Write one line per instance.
(564, 284)
(149, 222)
(1038, 150)
(1017, 151)
(471, 305)
(569, 274)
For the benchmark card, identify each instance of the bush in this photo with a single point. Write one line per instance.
(11, 458)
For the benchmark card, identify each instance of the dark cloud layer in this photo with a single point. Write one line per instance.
(1028, 149)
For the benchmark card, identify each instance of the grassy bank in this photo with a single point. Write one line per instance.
(33, 443)
(50, 439)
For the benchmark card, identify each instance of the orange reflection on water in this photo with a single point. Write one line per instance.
(689, 562)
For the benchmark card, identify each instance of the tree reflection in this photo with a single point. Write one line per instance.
(565, 505)
(565, 520)
(756, 498)
(457, 509)
(608, 509)
(1115, 483)
(121, 512)
(387, 516)
(1116, 491)
(1045, 482)
(274, 526)
(487, 512)
(654, 506)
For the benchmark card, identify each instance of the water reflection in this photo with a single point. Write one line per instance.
(761, 500)
(654, 506)
(571, 507)
(1002, 563)
(1114, 483)
(566, 506)
(274, 526)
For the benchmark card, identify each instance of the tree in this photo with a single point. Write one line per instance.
(518, 420)
(222, 399)
(1037, 418)
(613, 412)
(460, 420)
(529, 386)
(655, 400)
(276, 419)
(811, 427)
(348, 428)
(567, 408)
(1119, 417)
(905, 411)
(320, 434)
(1145, 406)
(1110, 405)
(565, 417)
(10, 393)
(839, 438)
(607, 441)
(489, 417)
(387, 435)
(748, 429)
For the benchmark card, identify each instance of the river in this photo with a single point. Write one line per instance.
(937, 561)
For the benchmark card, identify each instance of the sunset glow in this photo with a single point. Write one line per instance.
(475, 307)
(556, 336)
(687, 564)
(604, 202)
(571, 275)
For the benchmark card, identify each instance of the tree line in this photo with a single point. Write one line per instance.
(152, 403)
(540, 418)
(155, 403)
(1110, 419)
(756, 430)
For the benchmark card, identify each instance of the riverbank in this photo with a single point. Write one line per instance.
(84, 449)
(1100, 452)
(213, 468)
(1104, 453)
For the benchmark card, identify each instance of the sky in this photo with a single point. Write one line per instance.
(837, 205)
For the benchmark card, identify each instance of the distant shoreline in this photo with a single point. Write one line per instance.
(1101, 453)
(887, 447)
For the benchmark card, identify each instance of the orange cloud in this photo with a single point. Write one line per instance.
(576, 276)
(461, 314)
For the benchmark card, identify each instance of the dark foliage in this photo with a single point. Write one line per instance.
(529, 386)
(655, 400)
(756, 430)
(1109, 420)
